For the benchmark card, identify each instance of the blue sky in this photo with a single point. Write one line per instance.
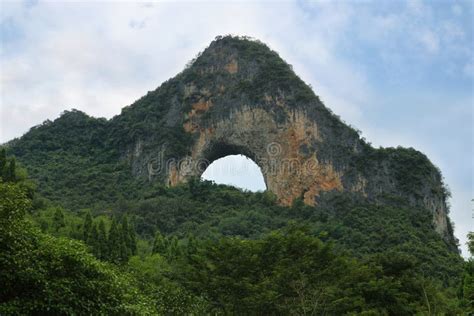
(400, 71)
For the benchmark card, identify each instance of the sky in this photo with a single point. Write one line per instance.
(402, 72)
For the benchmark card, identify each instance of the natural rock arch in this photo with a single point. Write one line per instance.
(239, 97)
(281, 150)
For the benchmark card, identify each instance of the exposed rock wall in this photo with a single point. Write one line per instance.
(283, 151)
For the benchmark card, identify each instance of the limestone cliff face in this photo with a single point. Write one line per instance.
(284, 151)
(239, 97)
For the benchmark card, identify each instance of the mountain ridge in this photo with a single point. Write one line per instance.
(232, 94)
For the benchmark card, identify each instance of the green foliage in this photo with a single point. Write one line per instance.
(117, 245)
(41, 274)
(58, 219)
(13, 206)
(470, 242)
(157, 277)
(466, 289)
(7, 167)
(467, 286)
(87, 228)
(58, 276)
(358, 226)
(287, 271)
(160, 244)
(293, 272)
(72, 160)
(102, 248)
(411, 170)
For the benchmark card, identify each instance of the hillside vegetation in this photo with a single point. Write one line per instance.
(205, 248)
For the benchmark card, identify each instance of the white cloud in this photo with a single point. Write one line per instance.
(99, 58)
(456, 9)
(468, 69)
(416, 7)
(430, 41)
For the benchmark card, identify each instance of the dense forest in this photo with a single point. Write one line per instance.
(203, 248)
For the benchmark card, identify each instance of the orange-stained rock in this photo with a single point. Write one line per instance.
(288, 172)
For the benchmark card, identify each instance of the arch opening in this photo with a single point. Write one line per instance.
(236, 170)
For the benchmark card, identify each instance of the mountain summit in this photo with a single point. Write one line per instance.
(237, 97)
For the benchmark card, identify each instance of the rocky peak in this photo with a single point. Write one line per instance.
(240, 97)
